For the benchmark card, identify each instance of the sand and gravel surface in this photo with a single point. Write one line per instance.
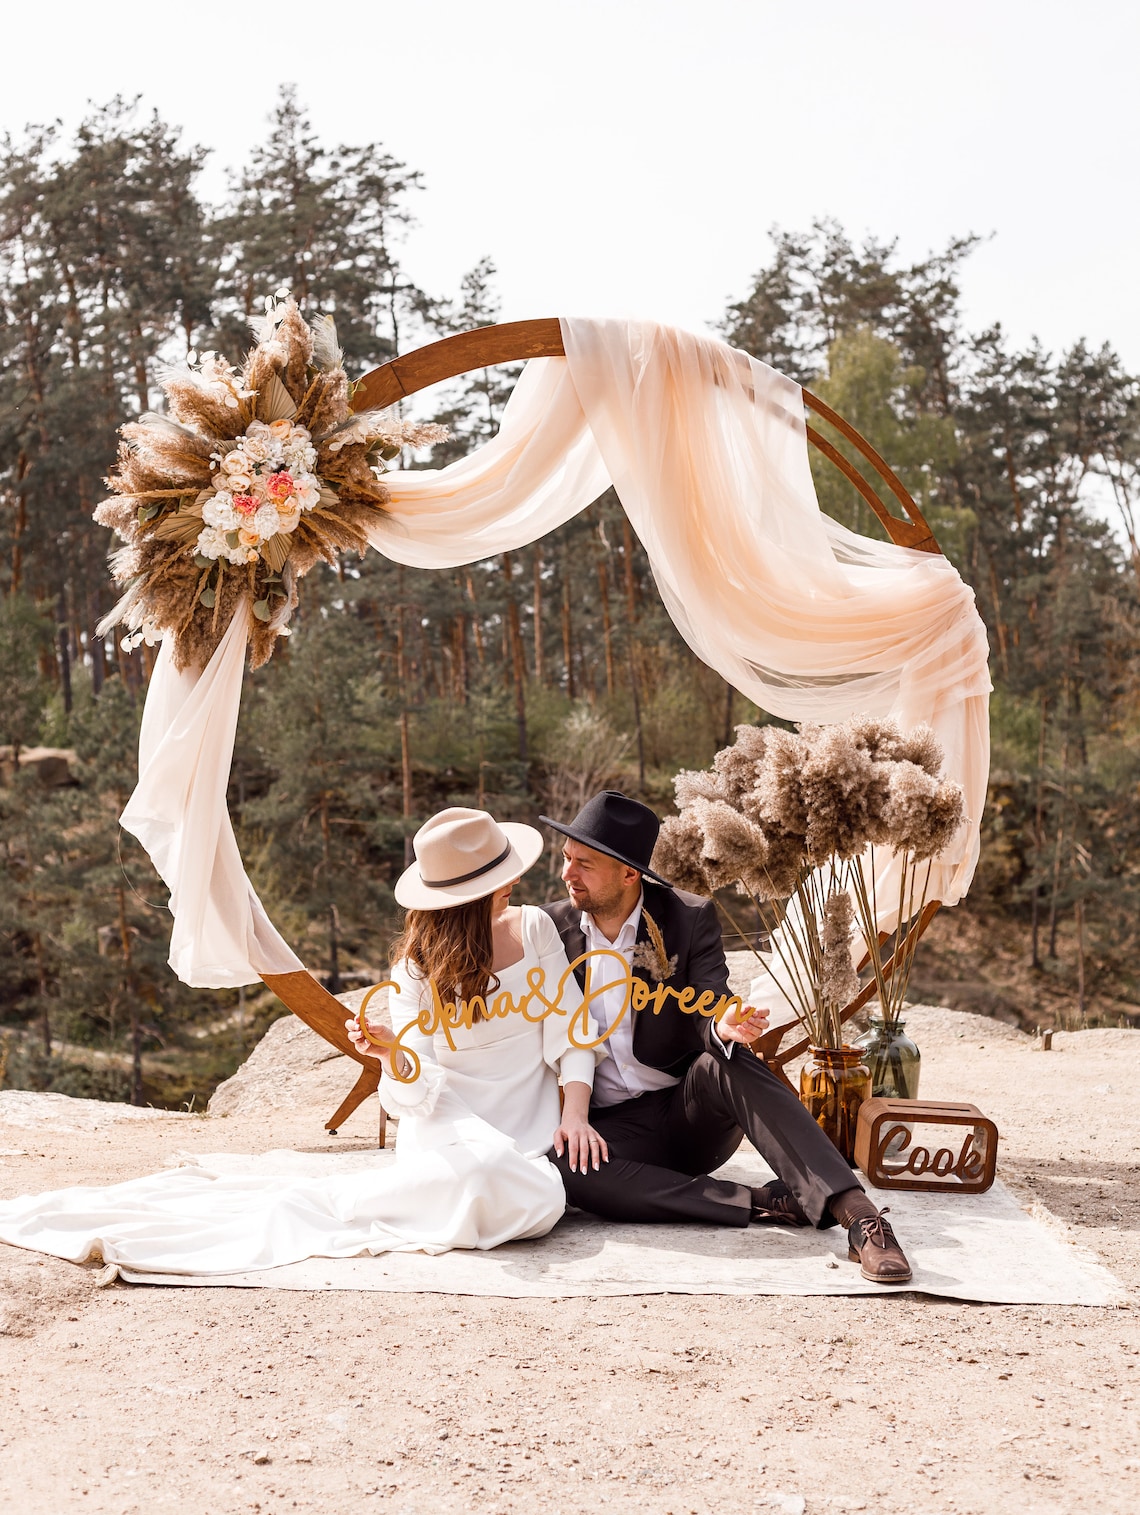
(133, 1399)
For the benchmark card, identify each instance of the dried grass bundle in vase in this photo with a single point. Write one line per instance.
(802, 824)
(248, 479)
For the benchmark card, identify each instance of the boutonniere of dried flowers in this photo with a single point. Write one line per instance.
(651, 955)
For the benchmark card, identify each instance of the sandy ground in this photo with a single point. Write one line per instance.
(135, 1399)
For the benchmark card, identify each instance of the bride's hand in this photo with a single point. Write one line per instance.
(581, 1142)
(379, 1033)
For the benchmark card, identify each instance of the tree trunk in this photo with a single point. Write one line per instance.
(627, 557)
(539, 660)
(405, 746)
(1039, 827)
(518, 661)
(45, 1006)
(430, 680)
(21, 522)
(567, 627)
(1080, 914)
(132, 1000)
(462, 676)
(607, 626)
(999, 622)
(476, 628)
(1056, 888)
(64, 650)
(635, 691)
(729, 693)
(334, 951)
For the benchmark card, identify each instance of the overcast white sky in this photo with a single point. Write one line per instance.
(628, 156)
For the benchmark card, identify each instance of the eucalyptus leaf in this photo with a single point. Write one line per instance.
(208, 597)
(261, 609)
(201, 561)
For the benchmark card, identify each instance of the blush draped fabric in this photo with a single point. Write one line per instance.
(707, 451)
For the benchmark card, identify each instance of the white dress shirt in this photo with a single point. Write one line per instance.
(620, 1076)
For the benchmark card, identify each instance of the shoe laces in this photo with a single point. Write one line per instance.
(878, 1231)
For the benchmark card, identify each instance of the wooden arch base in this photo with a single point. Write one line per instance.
(513, 342)
(311, 1002)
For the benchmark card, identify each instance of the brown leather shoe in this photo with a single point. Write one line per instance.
(874, 1246)
(775, 1205)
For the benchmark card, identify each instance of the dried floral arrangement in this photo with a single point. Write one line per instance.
(247, 480)
(793, 820)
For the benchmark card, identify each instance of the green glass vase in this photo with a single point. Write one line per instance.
(892, 1057)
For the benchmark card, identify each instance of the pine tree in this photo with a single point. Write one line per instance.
(324, 223)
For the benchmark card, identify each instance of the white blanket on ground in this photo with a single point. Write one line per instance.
(985, 1248)
(460, 1182)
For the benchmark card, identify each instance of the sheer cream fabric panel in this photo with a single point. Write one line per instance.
(708, 453)
(221, 937)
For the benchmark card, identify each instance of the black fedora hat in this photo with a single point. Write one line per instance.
(618, 826)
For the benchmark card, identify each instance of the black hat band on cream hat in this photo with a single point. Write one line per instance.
(464, 878)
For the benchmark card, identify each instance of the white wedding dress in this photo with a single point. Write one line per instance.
(470, 1169)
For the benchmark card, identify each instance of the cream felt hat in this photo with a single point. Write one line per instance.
(462, 855)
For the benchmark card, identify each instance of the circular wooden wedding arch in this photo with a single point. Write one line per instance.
(512, 342)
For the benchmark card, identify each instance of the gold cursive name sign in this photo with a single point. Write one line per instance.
(536, 1005)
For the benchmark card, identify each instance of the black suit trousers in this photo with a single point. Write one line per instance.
(664, 1144)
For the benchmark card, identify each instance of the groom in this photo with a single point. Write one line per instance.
(678, 1091)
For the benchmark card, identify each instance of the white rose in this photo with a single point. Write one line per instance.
(220, 512)
(212, 542)
(289, 515)
(265, 522)
(301, 457)
(257, 449)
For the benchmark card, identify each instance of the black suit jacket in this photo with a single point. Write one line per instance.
(671, 1040)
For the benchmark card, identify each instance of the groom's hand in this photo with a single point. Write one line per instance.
(744, 1024)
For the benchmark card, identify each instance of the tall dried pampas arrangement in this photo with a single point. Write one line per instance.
(248, 479)
(793, 820)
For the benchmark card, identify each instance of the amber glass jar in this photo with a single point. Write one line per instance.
(892, 1057)
(834, 1082)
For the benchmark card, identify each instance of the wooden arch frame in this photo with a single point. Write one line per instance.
(512, 342)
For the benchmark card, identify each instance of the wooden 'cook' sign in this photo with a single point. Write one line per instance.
(923, 1146)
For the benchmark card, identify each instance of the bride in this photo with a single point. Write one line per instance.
(478, 1102)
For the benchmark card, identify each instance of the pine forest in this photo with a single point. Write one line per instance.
(525, 683)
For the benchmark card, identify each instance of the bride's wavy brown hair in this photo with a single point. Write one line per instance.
(454, 947)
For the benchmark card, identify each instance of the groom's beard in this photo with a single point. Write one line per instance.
(595, 903)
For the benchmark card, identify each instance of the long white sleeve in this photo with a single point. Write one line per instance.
(573, 1064)
(416, 1096)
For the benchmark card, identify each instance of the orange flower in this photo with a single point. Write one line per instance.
(278, 487)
